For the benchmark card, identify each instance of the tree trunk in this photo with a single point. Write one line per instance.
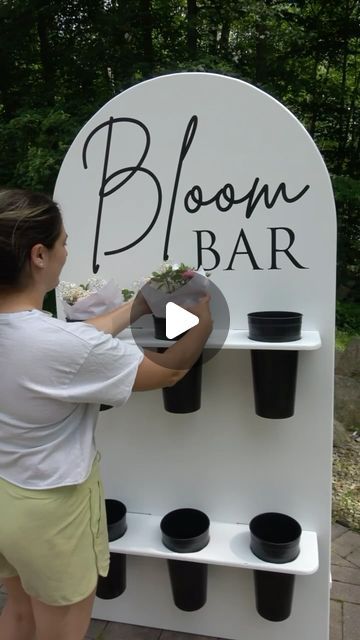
(342, 141)
(260, 52)
(352, 131)
(224, 37)
(46, 55)
(147, 27)
(192, 33)
(314, 99)
(213, 45)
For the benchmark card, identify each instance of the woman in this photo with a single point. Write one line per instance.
(53, 536)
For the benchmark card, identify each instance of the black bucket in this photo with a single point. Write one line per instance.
(114, 584)
(185, 395)
(275, 326)
(115, 518)
(274, 594)
(274, 376)
(274, 537)
(187, 531)
(160, 329)
(274, 372)
(188, 584)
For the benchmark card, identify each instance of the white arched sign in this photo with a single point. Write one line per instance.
(211, 171)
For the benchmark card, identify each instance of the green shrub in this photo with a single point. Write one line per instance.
(348, 317)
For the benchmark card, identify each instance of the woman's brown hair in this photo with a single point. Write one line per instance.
(26, 218)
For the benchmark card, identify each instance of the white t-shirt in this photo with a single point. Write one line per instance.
(53, 377)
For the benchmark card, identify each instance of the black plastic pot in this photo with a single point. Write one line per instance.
(114, 584)
(274, 372)
(274, 376)
(275, 326)
(274, 537)
(185, 395)
(115, 518)
(274, 594)
(160, 329)
(103, 407)
(186, 531)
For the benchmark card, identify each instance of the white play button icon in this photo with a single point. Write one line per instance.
(178, 320)
(170, 320)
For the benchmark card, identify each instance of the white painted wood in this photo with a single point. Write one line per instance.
(228, 546)
(223, 459)
(236, 339)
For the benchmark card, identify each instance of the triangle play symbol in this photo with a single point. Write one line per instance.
(178, 320)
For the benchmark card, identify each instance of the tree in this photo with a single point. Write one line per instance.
(62, 59)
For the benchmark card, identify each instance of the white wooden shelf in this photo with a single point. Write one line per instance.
(229, 546)
(236, 339)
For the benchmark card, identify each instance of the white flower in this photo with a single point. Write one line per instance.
(94, 283)
(170, 277)
(71, 292)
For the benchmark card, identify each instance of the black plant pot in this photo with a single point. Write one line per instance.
(115, 518)
(274, 326)
(103, 407)
(160, 329)
(274, 537)
(274, 382)
(274, 372)
(185, 395)
(186, 531)
(274, 594)
(114, 584)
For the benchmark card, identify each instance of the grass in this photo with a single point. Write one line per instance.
(342, 339)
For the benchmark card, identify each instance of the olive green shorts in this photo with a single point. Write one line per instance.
(55, 540)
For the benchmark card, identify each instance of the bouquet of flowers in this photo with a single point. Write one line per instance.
(96, 296)
(178, 283)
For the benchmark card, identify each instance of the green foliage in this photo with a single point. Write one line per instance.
(33, 146)
(169, 278)
(348, 317)
(62, 59)
(127, 294)
(342, 339)
(347, 196)
(347, 190)
(50, 303)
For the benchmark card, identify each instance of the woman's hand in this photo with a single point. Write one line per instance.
(201, 308)
(139, 306)
(158, 370)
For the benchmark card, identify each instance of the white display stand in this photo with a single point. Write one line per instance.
(209, 170)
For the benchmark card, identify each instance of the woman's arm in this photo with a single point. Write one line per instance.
(158, 370)
(118, 319)
(166, 369)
